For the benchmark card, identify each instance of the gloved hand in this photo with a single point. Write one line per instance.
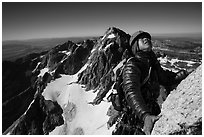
(180, 75)
(149, 121)
(190, 70)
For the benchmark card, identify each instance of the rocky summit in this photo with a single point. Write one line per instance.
(67, 88)
(107, 53)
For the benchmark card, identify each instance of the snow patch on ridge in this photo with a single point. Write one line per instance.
(107, 46)
(175, 60)
(54, 88)
(163, 60)
(174, 63)
(43, 71)
(65, 52)
(36, 67)
(111, 36)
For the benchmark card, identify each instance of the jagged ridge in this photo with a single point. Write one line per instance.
(108, 52)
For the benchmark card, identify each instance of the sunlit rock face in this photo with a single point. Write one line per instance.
(182, 110)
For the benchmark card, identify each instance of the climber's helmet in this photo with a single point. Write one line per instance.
(140, 40)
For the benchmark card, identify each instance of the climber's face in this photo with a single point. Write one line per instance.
(144, 43)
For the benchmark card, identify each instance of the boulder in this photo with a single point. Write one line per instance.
(181, 112)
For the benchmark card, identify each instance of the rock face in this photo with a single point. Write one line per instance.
(78, 58)
(182, 111)
(107, 53)
(41, 117)
(17, 92)
(67, 58)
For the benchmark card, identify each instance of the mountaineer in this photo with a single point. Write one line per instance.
(142, 76)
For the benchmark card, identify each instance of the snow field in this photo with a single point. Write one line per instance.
(86, 118)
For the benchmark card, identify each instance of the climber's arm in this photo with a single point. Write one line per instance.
(131, 88)
(169, 78)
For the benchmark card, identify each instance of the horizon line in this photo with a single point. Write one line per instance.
(198, 34)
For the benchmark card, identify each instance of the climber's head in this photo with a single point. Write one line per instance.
(140, 40)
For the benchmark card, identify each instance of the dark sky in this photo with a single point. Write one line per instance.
(59, 19)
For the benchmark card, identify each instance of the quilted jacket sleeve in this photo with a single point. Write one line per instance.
(131, 87)
(168, 78)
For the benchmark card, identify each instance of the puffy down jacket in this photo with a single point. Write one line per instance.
(134, 73)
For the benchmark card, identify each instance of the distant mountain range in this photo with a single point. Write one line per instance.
(179, 35)
(14, 49)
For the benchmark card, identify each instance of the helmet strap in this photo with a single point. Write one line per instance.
(138, 48)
